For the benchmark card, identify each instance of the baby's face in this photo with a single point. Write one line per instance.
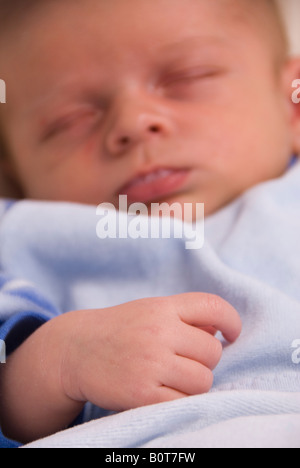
(102, 93)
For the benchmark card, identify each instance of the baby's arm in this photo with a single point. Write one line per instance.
(136, 354)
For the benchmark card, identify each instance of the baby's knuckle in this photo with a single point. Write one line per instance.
(143, 394)
(159, 310)
(155, 336)
(217, 308)
(159, 303)
(153, 330)
(216, 349)
(214, 302)
(207, 380)
(151, 361)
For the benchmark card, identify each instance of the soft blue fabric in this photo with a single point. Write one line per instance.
(51, 262)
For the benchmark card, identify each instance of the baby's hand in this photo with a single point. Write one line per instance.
(146, 352)
(136, 354)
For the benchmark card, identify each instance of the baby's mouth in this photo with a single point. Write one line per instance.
(155, 184)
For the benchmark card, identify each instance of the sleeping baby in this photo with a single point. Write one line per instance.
(181, 101)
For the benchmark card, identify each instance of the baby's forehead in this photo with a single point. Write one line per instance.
(15, 10)
(160, 25)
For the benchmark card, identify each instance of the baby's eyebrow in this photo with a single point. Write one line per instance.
(197, 47)
(185, 44)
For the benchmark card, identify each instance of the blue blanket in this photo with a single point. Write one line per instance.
(51, 262)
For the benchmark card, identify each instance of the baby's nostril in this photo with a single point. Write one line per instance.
(154, 129)
(124, 141)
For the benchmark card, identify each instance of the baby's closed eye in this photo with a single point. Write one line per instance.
(181, 83)
(79, 120)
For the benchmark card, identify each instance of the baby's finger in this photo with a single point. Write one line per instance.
(211, 330)
(198, 345)
(164, 394)
(202, 310)
(187, 376)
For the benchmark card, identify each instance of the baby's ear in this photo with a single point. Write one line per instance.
(291, 82)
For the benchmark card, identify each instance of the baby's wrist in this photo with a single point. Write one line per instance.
(33, 402)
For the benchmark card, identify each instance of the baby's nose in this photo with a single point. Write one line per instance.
(133, 125)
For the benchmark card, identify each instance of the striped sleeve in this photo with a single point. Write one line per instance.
(22, 311)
